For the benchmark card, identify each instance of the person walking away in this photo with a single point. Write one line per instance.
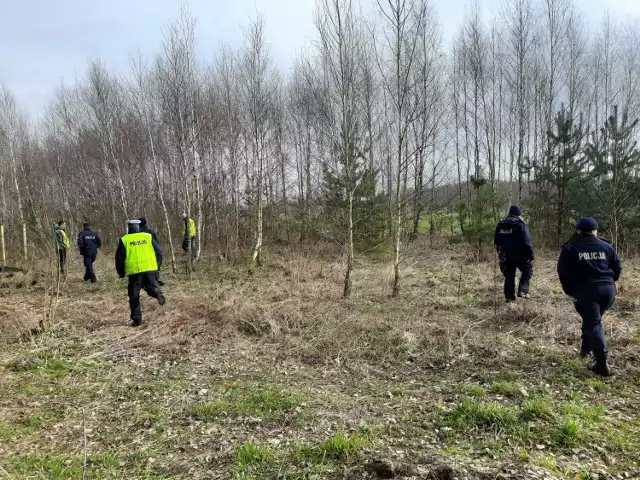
(515, 251)
(137, 257)
(190, 234)
(588, 269)
(62, 246)
(144, 227)
(89, 243)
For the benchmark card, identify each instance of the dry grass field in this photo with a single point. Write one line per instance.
(272, 375)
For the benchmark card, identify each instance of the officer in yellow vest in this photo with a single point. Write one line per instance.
(137, 257)
(62, 245)
(190, 234)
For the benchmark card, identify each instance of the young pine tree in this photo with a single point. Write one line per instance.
(614, 159)
(565, 165)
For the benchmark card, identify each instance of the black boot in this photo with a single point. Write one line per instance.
(585, 350)
(600, 366)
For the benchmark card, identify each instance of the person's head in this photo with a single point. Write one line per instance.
(587, 226)
(133, 226)
(515, 210)
(62, 224)
(86, 226)
(143, 221)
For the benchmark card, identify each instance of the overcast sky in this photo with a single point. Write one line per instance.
(44, 43)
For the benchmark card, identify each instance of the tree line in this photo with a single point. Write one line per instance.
(377, 133)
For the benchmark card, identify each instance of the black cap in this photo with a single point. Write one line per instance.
(586, 224)
(143, 220)
(515, 210)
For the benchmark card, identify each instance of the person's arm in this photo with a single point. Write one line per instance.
(121, 255)
(158, 251)
(496, 236)
(59, 238)
(616, 265)
(98, 241)
(526, 239)
(565, 271)
(80, 242)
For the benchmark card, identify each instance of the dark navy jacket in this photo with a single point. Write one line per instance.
(585, 262)
(512, 239)
(89, 242)
(145, 229)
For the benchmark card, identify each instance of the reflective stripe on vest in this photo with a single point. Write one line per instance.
(139, 254)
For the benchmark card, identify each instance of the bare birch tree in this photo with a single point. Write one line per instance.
(404, 22)
(340, 44)
(143, 92)
(259, 89)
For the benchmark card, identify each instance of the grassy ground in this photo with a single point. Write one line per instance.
(273, 375)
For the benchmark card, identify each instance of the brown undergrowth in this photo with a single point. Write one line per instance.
(273, 375)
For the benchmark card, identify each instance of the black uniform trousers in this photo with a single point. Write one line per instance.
(62, 259)
(526, 272)
(591, 304)
(89, 274)
(146, 281)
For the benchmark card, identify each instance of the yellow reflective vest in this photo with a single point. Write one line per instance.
(63, 240)
(192, 229)
(140, 257)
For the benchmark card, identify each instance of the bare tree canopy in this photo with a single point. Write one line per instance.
(375, 136)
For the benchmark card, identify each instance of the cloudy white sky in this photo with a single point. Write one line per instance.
(44, 43)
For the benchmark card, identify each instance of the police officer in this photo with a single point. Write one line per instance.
(62, 245)
(190, 233)
(88, 244)
(144, 227)
(513, 244)
(588, 269)
(137, 257)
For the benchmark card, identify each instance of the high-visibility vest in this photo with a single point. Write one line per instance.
(192, 228)
(140, 257)
(65, 241)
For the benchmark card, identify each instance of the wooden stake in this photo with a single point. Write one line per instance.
(24, 240)
(84, 448)
(4, 252)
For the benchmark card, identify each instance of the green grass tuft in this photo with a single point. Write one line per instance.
(252, 453)
(568, 433)
(475, 390)
(341, 446)
(596, 385)
(268, 403)
(506, 388)
(472, 415)
(50, 467)
(537, 408)
(593, 414)
(295, 461)
(545, 461)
